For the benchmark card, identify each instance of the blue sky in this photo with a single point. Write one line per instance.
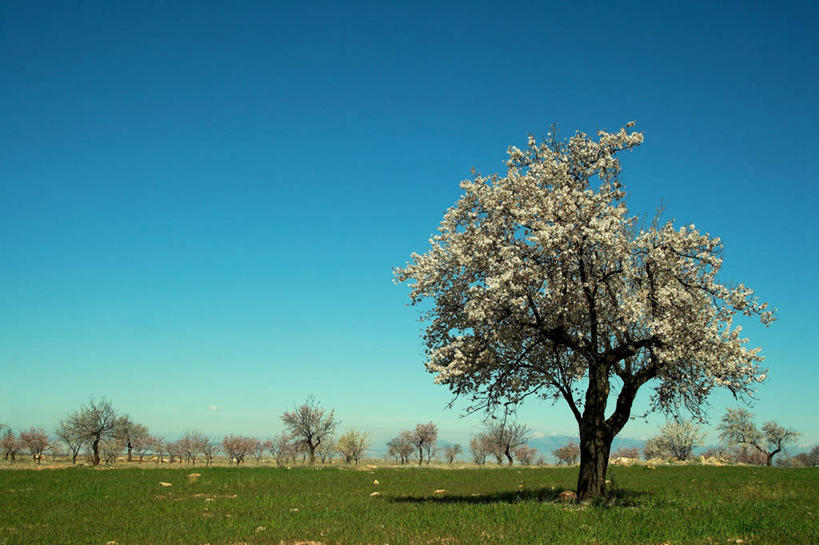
(201, 204)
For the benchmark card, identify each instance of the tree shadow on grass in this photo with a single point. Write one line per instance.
(613, 498)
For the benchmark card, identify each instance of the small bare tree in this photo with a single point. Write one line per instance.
(175, 450)
(424, 439)
(96, 421)
(142, 444)
(209, 449)
(451, 452)
(327, 449)
(127, 431)
(737, 428)
(10, 445)
(480, 448)
(160, 448)
(627, 452)
(353, 445)
(281, 447)
(36, 441)
(309, 423)
(71, 436)
(567, 454)
(506, 437)
(401, 447)
(110, 448)
(525, 454)
(814, 456)
(258, 449)
(237, 447)
(192, 444)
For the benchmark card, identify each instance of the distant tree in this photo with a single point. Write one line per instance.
(737, 428)
(401, 447)
(750, 456)
(127, 431)
(720, 452)
(525, 454)
(160, 448)
(143, 443)
(96, 421)
(656, 448)
(110, 449)
(209, 450)
(300, 448)
(506, 437)
(627, 452)
(73, 437)
(192, 444)
(36, 441)
(310, 424)
(430, 451)
(451, 452)
(797, 460)
(281, 448)
(175, 450)
(424, 438)
(353, 445)
(679, 438)
(480, 448)
(327, 449)
(10, 444)
(266, 445)
(258, 449)
(56, 451)
(567, 454)
(238, 446)
(814, 456)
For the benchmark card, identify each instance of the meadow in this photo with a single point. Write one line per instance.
(268, 505)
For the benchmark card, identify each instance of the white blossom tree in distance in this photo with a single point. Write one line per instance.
(540, 283)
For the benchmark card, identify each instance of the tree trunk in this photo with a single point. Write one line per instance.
(130, 448)
(595, 437)
(420, 456)
(74, 454)
(595, 446)
(508, 456)
(95, 447)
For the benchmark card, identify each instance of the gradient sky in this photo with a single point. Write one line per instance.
(201, 204)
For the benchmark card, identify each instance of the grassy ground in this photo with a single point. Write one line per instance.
(694, 504)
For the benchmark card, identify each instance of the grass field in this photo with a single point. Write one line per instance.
(693, 504)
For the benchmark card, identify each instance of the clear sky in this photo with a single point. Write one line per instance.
(201, 204)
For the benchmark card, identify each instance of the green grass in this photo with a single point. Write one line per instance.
(693, 504)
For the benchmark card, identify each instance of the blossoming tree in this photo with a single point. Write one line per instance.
(541, 283)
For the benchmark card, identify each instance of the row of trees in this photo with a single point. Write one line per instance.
(310, 430)
(501, 439)
(742, 441)
(106, 434)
